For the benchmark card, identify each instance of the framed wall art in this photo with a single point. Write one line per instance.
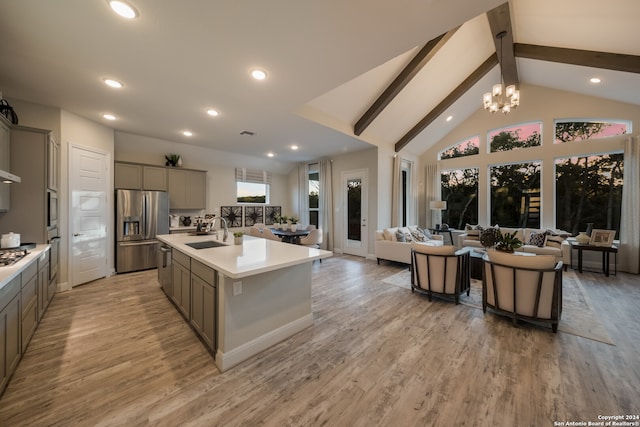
(233, 215)
(270, 213)
(253, 215)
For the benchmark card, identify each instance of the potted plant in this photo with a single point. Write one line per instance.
(237, 237)
(294, 222)
(507, 242)
(283, 222)
(173, 160)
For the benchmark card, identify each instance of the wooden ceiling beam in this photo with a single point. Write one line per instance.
(586, 58)
(500, 21)
(467, 84)
(409, 72)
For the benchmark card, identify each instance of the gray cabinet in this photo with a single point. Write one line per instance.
(187, 189)
(43, 283)
(53, 164)
(181, 274)
(154, 178)
(29, 299)
(5, 160)
(10, 328)
(128, 176)
(203, 302)
(136, 176)
(30, 160)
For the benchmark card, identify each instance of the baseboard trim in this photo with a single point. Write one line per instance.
(227, 360)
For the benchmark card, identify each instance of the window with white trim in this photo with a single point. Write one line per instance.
(252, 186)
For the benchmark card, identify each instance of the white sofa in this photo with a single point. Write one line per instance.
(388, 247)
(554, 245)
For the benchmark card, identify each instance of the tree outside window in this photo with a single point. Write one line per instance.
(589, 190)
(515, 195)
(460, 190)
(468, 147)
(514, 137)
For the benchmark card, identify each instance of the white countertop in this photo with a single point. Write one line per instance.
(9, 272)
(254, 256)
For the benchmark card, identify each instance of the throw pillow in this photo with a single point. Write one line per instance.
(418, 236)
(400, 236)
(407, 236)
(554, 241)
(473, 231)
(427, 233)
(537, 239)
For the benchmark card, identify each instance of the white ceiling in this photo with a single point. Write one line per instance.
(327, 62)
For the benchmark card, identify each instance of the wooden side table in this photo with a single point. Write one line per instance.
(606, 250)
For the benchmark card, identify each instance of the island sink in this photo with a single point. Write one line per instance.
(205, 245)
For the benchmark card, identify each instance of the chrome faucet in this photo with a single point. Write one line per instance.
(226, 230)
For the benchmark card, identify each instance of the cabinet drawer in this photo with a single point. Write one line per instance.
(29, 294)
(43, 259)
(205, 273)
(9, 291)
(29, 272)
(181, 258)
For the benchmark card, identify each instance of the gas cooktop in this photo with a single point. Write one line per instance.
(11, 256)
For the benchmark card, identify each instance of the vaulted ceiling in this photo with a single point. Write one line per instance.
(342, 76)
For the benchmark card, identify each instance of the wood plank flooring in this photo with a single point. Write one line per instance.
(115, 352)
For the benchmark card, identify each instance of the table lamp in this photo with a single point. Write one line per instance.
(437, 206)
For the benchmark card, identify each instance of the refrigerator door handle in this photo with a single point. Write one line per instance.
(145, 215)
(155, 242)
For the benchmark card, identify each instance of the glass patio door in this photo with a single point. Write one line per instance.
(355, 230)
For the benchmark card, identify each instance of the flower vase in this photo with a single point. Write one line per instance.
(583, 238)
(237, 240)
(589, 228)
(294, 227)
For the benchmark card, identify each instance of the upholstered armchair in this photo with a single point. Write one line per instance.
(440, 270)
(523, 287)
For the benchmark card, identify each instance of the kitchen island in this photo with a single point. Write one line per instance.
(241, 299)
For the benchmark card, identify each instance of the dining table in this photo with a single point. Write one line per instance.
(289, 236)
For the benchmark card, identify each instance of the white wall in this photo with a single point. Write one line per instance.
(220, 167)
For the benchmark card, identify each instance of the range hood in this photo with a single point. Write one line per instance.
(8, 178)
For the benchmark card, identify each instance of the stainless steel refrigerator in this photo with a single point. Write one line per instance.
(140, 217)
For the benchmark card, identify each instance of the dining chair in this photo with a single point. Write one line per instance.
(268, 234)
(313, 239)
(255, 231)
(311, 227)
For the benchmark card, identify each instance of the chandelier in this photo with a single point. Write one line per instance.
(501, 98)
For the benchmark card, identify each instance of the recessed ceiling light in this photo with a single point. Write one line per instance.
(123, 9)
(595, 80)
(258, 74)
(110, 116)
(294, 147)
(270, 154)
(449, 118)
(113, 83)
(187, 133)
(212, 112)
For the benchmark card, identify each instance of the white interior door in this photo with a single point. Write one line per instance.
(89, 214)
(354, 223)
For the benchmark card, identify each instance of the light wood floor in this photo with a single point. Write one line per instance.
(115, 352)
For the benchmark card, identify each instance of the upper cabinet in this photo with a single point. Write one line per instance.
(187, 187)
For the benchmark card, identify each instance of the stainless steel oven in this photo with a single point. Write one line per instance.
(52, 209)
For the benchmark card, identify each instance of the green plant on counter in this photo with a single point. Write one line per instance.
(238, 234)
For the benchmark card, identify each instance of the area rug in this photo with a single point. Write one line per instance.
(578, 314)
